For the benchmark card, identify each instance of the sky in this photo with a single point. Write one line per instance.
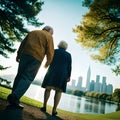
(63, 16)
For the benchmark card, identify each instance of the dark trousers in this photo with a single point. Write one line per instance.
(27, 70)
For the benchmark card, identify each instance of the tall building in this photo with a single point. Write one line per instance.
(109, 89)
(92, 85)
(79, 84)
(97, 84)
(88, 79)
(73, 84)
(103, 86)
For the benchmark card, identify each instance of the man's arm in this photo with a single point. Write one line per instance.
(49, 52)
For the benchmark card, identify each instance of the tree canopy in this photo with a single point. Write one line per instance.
(100, 31)
(14, 15)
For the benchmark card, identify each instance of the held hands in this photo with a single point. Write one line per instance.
(45, 66)
(68, 80)
(17, 59)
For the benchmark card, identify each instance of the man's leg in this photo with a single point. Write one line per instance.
(12, 99)
(26, 77)
(21, 68)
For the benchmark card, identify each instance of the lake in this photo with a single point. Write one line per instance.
(72, 103)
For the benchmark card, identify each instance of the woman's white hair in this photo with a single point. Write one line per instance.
(63, 44)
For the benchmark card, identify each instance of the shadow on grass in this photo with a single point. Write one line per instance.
(11, 114)
(50, 117)
(17, 114)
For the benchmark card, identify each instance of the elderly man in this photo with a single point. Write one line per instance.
(30, 55)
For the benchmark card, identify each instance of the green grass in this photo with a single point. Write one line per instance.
(111, 116)
(5, 91)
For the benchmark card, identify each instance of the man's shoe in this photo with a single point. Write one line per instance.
(18, 106)
(11, 98)
(14, 106)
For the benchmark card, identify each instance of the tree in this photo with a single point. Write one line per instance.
(5, 81)
(14, 15)
(78, 93)
(103, 96)
(100, 31)
(117, 94)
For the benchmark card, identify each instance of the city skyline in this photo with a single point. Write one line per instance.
(98, 84)
(92, 85)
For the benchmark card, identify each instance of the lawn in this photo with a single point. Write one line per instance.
(111, 116)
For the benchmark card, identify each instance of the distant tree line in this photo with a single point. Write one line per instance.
(5, 83)
(113, 98)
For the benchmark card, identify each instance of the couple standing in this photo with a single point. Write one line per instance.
(30, 55)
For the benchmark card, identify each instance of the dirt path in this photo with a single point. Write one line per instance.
(30, 113)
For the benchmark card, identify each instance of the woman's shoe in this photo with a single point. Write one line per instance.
(54, 113)
(43, 109)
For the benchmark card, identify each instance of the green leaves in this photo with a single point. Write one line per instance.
(100, 30)
(14, 15)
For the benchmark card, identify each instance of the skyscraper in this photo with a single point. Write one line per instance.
(109, 89)
(73, 84)
(97, 84)
(88, 79)
(92, 85)
(79, 84)
(103, 86)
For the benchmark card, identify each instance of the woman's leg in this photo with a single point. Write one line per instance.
(56, 101)
(46, 97)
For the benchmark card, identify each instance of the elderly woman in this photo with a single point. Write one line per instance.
(57, 76)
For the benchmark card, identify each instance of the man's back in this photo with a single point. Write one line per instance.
(35, 44)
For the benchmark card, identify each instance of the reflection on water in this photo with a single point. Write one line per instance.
(73, 103)
(94, 105)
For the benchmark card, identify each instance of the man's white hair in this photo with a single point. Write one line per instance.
(47, 28)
